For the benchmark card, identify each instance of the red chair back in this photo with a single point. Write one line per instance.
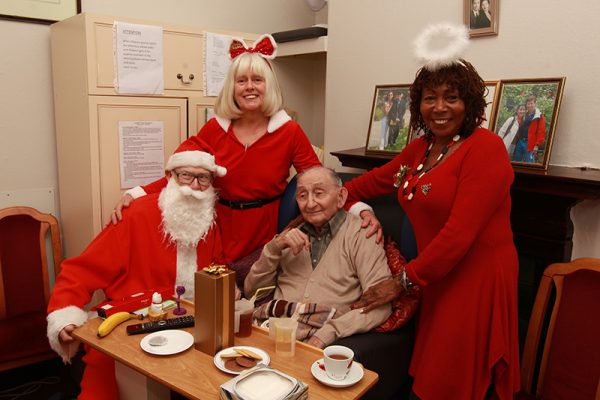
(570, 362)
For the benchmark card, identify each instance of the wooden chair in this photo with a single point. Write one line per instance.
(25, 285)
(570, 359)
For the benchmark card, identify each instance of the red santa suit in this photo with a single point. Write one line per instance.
(132, 256)
(259, 171)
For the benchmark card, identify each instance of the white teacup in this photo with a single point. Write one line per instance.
(337, 361)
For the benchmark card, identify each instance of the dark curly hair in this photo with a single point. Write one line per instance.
(461, 76)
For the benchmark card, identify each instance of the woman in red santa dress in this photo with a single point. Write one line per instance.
(257, 142)
(454, 184)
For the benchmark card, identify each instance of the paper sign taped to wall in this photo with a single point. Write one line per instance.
(216, 62)
(138, 53)
(142, 152)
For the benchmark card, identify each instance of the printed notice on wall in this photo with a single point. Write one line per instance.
(216, 62)
(142, 150)
(138, 53)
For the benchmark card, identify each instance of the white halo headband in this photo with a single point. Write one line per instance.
(441, 45)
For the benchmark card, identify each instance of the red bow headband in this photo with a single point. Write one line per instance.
(265, 46)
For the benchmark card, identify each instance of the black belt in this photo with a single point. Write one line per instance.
(242, 205)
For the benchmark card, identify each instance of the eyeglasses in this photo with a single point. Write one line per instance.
(186, 178)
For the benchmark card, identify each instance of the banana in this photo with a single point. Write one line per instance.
(111, 322)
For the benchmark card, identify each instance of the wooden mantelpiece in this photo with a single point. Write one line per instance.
(540, 216)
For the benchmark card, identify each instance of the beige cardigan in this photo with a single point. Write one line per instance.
(351, 264)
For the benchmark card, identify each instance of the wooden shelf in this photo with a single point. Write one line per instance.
(304, 46)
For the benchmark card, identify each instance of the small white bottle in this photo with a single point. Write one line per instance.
(155, 312)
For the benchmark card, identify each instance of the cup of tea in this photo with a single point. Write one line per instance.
(337, 361)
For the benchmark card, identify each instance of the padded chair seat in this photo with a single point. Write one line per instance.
(26, 335)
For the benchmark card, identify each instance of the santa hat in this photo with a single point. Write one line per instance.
(195, 153)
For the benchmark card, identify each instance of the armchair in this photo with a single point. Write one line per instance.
(387, 353)
(24, 284)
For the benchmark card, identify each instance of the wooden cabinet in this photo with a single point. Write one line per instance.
(88, 111)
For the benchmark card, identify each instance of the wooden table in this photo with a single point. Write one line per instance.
(193, 373)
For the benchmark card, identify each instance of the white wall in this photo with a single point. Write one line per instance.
(370, 44)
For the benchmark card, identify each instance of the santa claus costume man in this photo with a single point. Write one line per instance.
(165, 239)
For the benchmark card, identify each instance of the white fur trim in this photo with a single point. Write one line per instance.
(223, 122)
(187, 266)
(441, 45)
(359, 207)
(136, 192)
(195, 158)
(57, 320)
(277, 120)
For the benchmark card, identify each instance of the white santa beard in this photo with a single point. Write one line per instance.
(187, 215)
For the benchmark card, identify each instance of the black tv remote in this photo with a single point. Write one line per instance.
(170, 323)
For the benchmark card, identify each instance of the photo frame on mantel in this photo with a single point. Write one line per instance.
(390, 119)
(525, 119)
(39, 11)
(481, 17)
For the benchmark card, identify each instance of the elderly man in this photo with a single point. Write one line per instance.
(167, 237)
(326, 260)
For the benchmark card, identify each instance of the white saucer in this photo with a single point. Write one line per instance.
(221, 365)
(177, 341)
(356, 373)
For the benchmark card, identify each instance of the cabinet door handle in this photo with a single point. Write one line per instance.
(180, 77)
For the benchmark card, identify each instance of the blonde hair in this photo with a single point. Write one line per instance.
(225, 105)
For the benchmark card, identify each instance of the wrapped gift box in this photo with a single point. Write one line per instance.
(214, 310)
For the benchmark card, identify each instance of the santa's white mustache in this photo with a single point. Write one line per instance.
(188, 191)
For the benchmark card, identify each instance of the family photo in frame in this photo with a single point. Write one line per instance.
(481, 17)
(525, 119)
(389, 126)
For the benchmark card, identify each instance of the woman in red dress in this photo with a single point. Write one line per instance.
(454, 182)
(256, 140)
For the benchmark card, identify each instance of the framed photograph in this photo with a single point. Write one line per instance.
(39, 11)
(491, 100)
(390, 119)
(525, 119)
(481, 17)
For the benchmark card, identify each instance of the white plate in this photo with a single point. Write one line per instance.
(356, 373)
(221, 365)
(177, 341)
